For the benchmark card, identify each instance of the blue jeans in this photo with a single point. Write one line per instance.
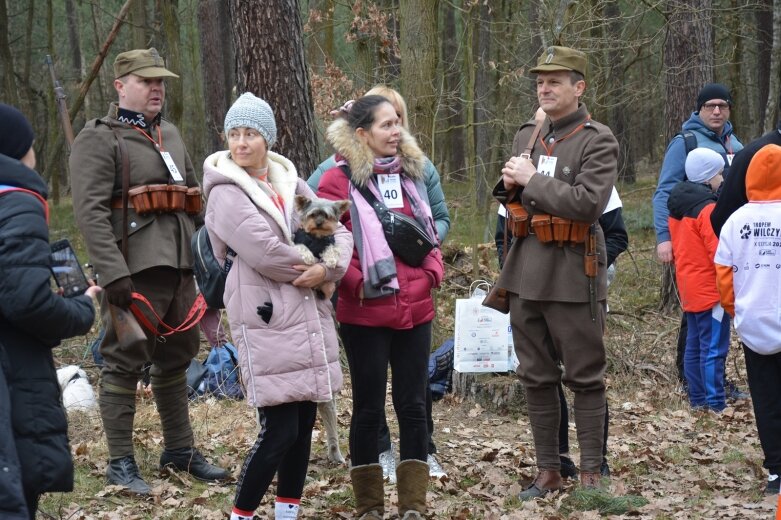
(707, 343)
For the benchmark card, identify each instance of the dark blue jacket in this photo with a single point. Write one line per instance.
(33, 320)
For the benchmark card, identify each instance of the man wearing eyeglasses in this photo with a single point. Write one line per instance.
(710, 126)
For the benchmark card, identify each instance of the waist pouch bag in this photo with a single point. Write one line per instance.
(404, 235)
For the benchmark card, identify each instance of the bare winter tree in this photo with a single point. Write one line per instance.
(268, 38)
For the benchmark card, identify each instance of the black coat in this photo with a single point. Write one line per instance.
(12, 505)
(33, 320)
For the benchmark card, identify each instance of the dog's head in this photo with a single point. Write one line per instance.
(320, 217)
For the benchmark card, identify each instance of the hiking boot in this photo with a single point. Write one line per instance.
(547, 481)
(733, 393)
(773, 484)
(604, 469)
(568, 468)
(191, 461)
(435, 469)
(388, 463)
(124, 472)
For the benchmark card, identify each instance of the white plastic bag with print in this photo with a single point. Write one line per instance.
(482, 339)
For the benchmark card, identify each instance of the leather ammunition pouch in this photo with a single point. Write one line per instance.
(547, 228)
(163, 198)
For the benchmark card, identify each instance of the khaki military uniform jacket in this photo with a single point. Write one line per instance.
(586, 169)
(96, 178)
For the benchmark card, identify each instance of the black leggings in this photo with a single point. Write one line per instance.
(369, 352)
(282, 447)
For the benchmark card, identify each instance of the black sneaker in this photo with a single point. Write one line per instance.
(124, 472)
(773, 484)
(191, 461)
(604, 469)
(568, 468)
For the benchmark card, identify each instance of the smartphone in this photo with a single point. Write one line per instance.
(67, 269)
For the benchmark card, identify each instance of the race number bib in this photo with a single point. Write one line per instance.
(172, 169)
(546, 165)
(390, 189)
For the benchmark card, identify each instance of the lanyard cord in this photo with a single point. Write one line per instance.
(549, 151)
(159, 145)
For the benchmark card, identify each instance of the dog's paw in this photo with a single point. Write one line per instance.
(330, 256)
(306, 254)
(335, 454)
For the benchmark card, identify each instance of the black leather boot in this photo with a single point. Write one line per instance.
(124, 472)
(191, 461)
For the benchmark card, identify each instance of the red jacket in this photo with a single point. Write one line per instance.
(694, 245)
(411, 306)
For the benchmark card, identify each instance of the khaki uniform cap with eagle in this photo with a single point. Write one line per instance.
(146, 63)
(561, 58)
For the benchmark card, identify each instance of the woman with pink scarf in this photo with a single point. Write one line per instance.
(385, 308)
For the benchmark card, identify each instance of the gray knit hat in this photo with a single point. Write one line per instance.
(252, 112)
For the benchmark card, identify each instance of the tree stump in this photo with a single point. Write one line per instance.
(502, 393)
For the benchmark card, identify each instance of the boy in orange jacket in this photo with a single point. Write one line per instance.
(694, 246)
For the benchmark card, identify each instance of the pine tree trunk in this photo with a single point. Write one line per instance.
(775, 67)
(216, 95)
(453, 147)
(419, 66)
(174, 101)
(270, 63)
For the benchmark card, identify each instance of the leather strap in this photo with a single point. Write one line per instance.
(118, 203)
(194, 315)
(125, 159)
(533, 138)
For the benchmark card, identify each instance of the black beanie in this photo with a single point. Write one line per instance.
(16, 134)
(713, 91)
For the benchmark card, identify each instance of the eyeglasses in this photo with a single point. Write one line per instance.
(710, 107)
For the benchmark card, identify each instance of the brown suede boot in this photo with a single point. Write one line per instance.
(546, 481)
(591, 480)
(412, 482)
(368, 491)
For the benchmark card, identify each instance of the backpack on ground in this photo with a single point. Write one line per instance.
(440, 369)
(209, 274)
(222, 373)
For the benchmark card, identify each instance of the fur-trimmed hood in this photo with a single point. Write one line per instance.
(219, 168)
(361, 158)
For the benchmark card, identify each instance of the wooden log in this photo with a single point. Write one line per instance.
(502, 393)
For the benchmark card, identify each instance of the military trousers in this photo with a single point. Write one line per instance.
(171, 292)
(558, 342)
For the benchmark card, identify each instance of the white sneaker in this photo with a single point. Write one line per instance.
(435, 469)
(388, 463)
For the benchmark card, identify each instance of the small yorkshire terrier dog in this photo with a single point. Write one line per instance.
(319, 220)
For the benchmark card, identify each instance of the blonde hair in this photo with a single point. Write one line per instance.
(396, 100)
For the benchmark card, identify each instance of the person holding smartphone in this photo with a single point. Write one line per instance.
(33, 320)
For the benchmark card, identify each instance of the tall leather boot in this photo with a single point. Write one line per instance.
(368, 490)
(412, 482)
(589, 408)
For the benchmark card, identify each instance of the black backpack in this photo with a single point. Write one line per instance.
(209, 275)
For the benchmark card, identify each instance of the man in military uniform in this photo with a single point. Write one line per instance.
(557, 312)
(156, 261)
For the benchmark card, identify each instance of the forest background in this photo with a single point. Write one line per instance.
(462, 66)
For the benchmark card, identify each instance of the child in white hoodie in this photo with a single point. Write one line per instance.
(748, 269)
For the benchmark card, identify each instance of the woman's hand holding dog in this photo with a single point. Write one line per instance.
(311, 275)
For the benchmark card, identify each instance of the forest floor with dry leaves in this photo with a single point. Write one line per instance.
(667, 461)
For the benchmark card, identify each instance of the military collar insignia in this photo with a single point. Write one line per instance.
(131, 117)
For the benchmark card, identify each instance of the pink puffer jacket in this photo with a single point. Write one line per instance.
(293, 357)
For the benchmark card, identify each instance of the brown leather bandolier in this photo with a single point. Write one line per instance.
(125, 160)
(162, 198)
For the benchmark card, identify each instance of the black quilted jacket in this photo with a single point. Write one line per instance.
(33, 320)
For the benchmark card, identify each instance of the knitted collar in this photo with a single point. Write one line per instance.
(131, 117)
